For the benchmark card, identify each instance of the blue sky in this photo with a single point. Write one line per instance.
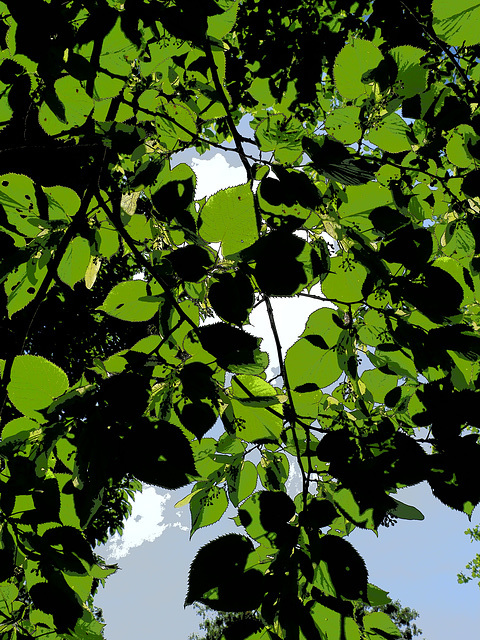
(417, 562)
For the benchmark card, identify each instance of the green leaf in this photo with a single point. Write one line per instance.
(229, 217)
(273, 470)
(412, 76)
(118, 52)
(346, 503)
(19, 429)
(34, 383)
(406, 511)
(378, 384)
(379, 623)
(306, 363)
(76, 103)
(362, 200)
(354, 61)
(207, 506)
(241, 481)
(458, 144)
(376, 596)
(8, 592)
(456, 24)
(22, 284)
(281, 135)
(75, 261)
(252, 422)
(333, 624)
(345, 280)
(220, 25)
(18, 198)
(131, 301)
(344, 124)
(392, 134)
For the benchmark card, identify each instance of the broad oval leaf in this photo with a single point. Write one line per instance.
(229, 345)
(34, 383)
(159, 453)
(74, 264)
(346, 567)
(352, 63)
(229, 217)
(207, 507)
(217, 577)
(131, 301)
(456, 24)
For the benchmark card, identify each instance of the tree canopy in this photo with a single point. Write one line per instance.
(126, 300)
(224, 624)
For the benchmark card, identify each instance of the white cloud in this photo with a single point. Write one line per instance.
(215, 174)
(293, 484)
(145, 524)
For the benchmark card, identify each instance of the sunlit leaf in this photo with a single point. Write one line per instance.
(229, 217)
(131, 301)
(34, 383)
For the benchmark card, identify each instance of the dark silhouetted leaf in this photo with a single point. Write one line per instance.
(191, 262)
(196, 378)
(229, 345)
(278, 270)
(198, 417)
(58, 599)
(218, 578)
(333, 160)
(159, 453)
(318, 514)
(346, 567)
(232, 297)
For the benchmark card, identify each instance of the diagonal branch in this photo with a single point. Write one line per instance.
(231, 125)
(446, 49)
(114, 217)
(293, 419)
(38, 298)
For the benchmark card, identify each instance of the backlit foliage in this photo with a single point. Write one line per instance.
(362, 175)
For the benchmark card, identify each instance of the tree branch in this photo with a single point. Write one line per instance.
(305, 475)
(114, 217)
(226, 106)
(433, 36)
